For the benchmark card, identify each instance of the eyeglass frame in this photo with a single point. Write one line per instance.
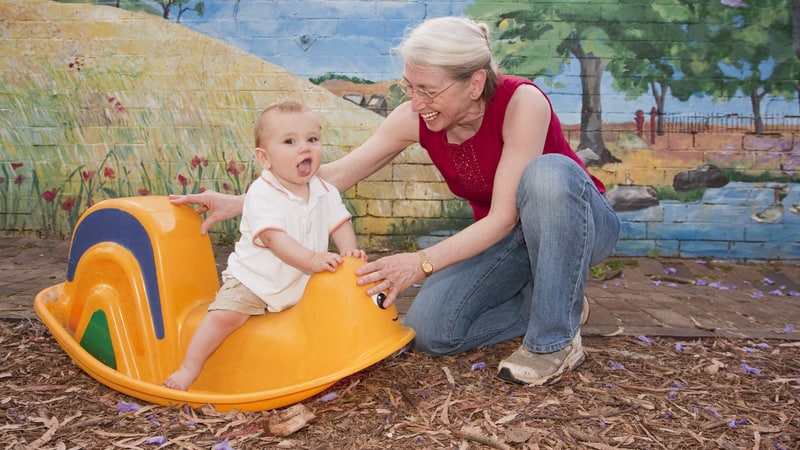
(424, 95)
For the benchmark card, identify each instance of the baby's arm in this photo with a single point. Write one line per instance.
(297, 255)
(344, 237)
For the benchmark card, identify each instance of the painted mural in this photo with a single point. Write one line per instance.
(688, 110)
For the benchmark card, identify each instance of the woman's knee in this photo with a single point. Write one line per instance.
(546, 181)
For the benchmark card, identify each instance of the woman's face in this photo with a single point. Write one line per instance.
(440, 100)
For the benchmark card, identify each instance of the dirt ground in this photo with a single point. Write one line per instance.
(631, 393)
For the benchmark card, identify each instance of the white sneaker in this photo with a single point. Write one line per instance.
(536, 369)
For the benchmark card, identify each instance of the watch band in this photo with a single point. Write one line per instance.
(427, 267)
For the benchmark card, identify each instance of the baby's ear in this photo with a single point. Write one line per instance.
(262, 157)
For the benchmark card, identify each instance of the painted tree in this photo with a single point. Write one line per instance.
(537, 38)
(754, 51)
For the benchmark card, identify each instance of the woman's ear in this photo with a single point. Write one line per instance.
(476, 83)
(263, 158)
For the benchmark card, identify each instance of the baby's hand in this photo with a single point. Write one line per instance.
(357, 253)
(325, 261)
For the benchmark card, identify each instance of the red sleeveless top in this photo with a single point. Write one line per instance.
(469, 168)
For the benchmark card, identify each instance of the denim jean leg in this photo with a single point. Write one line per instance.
(568, 226)
(481, 301)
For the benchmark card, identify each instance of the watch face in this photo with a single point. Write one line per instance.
(427, 268)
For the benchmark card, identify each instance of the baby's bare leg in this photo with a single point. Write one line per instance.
(212, 331)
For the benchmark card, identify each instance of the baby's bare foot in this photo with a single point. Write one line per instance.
(181, 379)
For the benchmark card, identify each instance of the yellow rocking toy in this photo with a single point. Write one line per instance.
(139, 279)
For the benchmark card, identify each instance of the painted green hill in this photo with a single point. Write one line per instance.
(98, 102)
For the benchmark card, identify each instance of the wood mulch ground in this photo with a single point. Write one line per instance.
(631, 393)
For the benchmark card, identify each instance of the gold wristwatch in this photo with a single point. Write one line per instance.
(427, 267)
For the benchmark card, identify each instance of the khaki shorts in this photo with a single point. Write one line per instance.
(234, 296)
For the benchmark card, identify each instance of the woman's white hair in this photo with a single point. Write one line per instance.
(459, 45)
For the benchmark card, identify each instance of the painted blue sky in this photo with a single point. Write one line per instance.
(354, 38)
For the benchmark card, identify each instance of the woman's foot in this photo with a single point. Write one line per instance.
(181, 379)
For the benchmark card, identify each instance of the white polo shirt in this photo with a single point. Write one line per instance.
(268, 205)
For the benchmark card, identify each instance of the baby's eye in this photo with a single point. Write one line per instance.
(313, 139)
(289, 141)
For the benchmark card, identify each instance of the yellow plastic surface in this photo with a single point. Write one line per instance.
(141, 266)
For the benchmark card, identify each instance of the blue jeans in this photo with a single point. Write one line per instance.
(531, 282)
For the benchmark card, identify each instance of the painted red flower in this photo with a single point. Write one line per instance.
(16, 166)
(68, 204)
(197, 161)
(109, 173)
(227, 187)
(183, 180)
(88, 174)
(19, 179)
(144, 191)
(235, 168)
(50, 196)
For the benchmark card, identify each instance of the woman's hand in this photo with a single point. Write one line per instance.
(391, 274)
(219, 207)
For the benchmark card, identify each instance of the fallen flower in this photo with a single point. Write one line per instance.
(670, 271)
(222, 446)
(329, 396)
(748, 349)
(678, 347)
(645, 339)
(788, 329)
(750, 370)
(767, 281)
(757, 294)
(701, 282)
(616, 365)
(160, 440)
(736, 422)
(793, 293)
(125, 407)
(478, 366)
(764, 346)
(776, 293)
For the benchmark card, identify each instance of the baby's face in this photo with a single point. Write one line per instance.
(292, 149)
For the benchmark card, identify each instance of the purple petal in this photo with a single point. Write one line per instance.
(757, 294)
(793, 293)
(478, 366)
(789, 329)
(222, 446)
(604, 286)
(776, 293)
(748, 349)
(616, 365)
(763, 345)
(750, 370)
(747, 283)
(678, 347)
(329, 396)
(701, 282)
(645, 339)
(160, 440)
(670, 271)
(672, 394)
(767, 281)
(736, 422)
(125, 407)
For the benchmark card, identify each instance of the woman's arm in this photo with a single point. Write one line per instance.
(399, 130)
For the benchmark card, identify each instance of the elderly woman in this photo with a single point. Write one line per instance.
(540, 218)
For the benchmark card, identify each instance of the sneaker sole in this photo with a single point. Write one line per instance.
(506, 375)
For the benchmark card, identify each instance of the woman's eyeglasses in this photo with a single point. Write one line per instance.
(422, 94)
